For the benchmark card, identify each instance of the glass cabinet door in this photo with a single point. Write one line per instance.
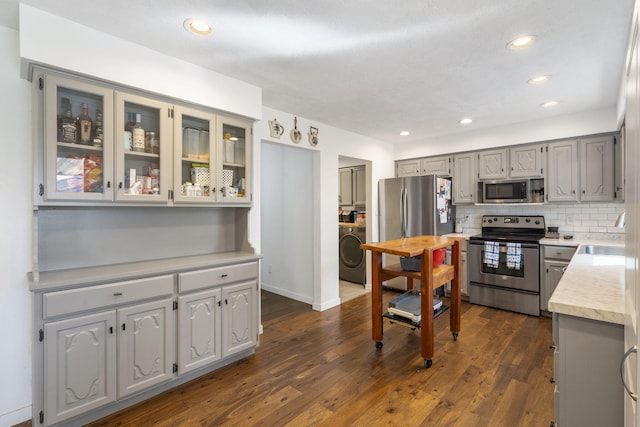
(195, 156)
(235, 140)
(78, 140)
(143, 149)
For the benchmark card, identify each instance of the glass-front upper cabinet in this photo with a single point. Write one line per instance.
(195, 156)
(235, 137)
(143, 149)
(78, 141)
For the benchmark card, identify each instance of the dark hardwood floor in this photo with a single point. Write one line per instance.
(322, 369)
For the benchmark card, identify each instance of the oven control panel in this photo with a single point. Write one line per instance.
(513, 221)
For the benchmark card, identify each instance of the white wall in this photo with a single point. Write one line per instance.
(15, 229)
(333, 143)
(287, 217)
(565, 126)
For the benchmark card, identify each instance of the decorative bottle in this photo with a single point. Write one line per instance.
(137, 135)
(99, 131)
(69, 129)
(85, 127)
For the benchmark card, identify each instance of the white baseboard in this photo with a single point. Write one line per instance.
(15, 417)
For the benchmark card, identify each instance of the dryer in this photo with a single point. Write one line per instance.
(353, 266)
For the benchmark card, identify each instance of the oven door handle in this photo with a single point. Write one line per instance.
(503, 244)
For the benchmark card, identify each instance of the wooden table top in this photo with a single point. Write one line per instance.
(411, 246)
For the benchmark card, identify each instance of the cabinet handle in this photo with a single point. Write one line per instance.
(224, 275)
(117, 294)
(573, 191)
(631, 394)
(120, 185)
(108, 184)
(124, 326)
(553, 347)
(584, 191)
(226, 302)
(552, 380)
(111, 329)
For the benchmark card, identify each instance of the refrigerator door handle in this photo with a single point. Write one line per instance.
(404, 212)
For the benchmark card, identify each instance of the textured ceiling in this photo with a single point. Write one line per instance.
(379, 67)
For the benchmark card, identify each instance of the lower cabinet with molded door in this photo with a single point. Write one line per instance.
(100, 348)
(218, 314)
(87, 355)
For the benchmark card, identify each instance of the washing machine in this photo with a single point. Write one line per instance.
(353, 266)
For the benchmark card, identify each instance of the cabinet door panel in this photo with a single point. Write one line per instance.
(143, 176)
(80, 370)
(597, 174)
(436, 166)
(234, 179)
(492, 164)
(526, 162)
(145, 346)
(562, 175)
(346, 187)
(239, 317)
(199, 338)
(74, 169)
(408, 168)
(464, 178)
(195, 156)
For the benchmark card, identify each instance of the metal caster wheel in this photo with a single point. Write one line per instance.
(428, 363)
(378, 345)
(455, 336)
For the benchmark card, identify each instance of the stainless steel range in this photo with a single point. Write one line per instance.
(504, 263)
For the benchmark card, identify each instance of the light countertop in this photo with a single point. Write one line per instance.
(592, 287)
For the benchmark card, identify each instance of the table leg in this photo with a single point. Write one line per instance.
(456, 291)
(376, 298)
(426, 307)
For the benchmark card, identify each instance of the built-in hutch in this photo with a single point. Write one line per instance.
(143, 277)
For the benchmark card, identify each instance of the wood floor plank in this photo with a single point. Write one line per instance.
(322, 369)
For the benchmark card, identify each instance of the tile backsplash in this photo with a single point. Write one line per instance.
(583, 220)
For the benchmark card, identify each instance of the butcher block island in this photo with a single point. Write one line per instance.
(431, 276)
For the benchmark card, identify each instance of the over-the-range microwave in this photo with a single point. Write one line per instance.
(507, 191)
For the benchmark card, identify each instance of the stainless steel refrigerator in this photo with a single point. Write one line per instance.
(414, 206)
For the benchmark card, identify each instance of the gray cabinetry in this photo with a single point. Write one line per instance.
(562, 174)
(146, 349)
(436, 166)
(352, 190)
(345, 195)
(555, 260)
(596, 169)
(124, 162)
(199, 339)
(102, 344)
(79, 365)
(409, 167)
(526, 161)
(220, 318)
(464, 178)
(492, 164)
(86, 355)
(589, 391)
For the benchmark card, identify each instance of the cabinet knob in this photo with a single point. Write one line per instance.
(108, 184)
(117, 294)
(224, 275)
(120, 185)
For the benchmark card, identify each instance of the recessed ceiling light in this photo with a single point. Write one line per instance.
(198, 27)
(549, 104)
(539, 79)
(521, 42)
(465, 121)
(405, 133)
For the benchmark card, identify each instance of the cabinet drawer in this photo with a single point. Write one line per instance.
(201, 279)
(559, 252)
(93, 297)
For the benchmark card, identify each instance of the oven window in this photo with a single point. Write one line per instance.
(505, 266)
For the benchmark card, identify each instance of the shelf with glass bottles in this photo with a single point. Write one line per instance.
(77, 145)
(144, 142)
(195, 154)
(234, 180)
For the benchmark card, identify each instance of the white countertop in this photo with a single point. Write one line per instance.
(592, 286)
